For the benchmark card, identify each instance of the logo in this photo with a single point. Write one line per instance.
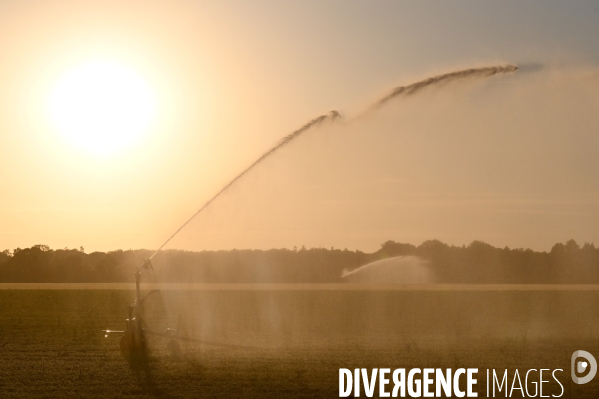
(579, 366)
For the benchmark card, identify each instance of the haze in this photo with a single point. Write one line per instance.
(509, 160)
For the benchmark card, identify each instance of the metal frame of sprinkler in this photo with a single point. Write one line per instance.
(133, 343)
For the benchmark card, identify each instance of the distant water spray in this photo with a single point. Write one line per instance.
(411, 89)
(331, 116)
(397, 270)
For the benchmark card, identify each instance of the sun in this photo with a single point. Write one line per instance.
(102, 106)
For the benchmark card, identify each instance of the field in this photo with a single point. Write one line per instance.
(51, 343)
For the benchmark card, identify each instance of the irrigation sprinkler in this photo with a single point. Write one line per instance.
(133, 343)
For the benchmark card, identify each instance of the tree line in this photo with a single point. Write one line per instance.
(476, 263)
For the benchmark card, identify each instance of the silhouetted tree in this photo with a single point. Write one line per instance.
(476, 263)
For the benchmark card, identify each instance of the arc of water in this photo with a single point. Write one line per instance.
(416, 87)
(331, 116)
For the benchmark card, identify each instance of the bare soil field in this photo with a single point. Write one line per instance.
(51, 344)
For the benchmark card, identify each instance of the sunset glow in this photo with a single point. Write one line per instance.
(102, 107)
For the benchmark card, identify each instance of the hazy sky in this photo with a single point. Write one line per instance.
(510, 161)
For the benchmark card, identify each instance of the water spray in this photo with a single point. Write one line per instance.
(331, 116)
(416, 87)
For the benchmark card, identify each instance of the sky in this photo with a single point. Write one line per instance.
(508, 160)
